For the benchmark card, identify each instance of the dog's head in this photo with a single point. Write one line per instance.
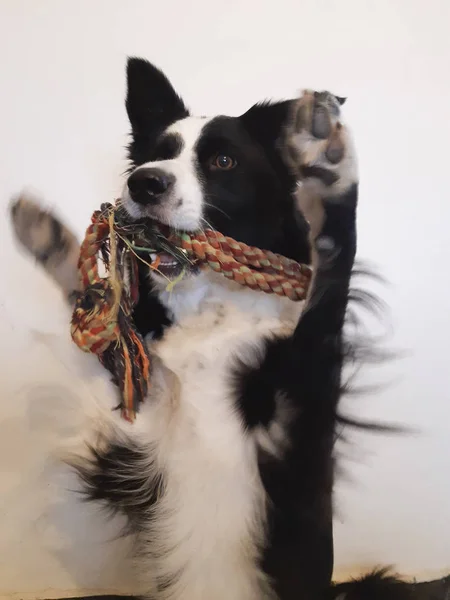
(222, 172)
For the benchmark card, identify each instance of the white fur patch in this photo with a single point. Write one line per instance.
(183, 208)
(211, 523)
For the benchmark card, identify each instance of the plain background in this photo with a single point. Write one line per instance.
(63, 130)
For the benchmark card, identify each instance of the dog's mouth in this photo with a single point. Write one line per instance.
(168, 260)
(163, 256)
(168, 266)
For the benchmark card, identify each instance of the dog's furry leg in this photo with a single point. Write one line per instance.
(49, 241)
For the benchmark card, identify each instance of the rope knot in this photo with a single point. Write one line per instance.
(94, 322)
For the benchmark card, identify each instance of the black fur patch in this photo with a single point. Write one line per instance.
(150, 316)
(152, 105)
(57, 243)
(168, 147)
(327, 177)
(121, 477)
(306, 370)
(253, 202)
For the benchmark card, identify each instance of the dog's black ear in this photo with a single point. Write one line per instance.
(265, 121)
(152, 103)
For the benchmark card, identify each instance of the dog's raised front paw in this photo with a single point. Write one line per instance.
(319, 146)
(49, 241)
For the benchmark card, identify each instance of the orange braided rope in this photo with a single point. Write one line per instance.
(254, 268)
(102, 320)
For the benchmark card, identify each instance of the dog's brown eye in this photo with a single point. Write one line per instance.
(223, 162)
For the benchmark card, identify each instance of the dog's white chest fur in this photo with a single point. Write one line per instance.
(211, 519)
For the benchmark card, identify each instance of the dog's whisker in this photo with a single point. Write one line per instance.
(218, 209)
(208, 225)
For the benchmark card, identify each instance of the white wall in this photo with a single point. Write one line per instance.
(62, 130)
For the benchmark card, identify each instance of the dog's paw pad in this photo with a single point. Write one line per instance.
(335, 150)
(321, 124)
(318, 144)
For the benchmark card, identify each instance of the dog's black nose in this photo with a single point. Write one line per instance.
(148, 186)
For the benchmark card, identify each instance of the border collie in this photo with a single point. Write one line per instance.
(226, 476)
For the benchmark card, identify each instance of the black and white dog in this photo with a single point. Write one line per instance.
(226, 477)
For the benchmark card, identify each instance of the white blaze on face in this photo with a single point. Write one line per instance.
(183, 207)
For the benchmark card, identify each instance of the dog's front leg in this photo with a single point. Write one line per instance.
(49, 241)
(289, 399)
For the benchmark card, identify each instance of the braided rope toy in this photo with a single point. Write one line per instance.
(102, 319)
